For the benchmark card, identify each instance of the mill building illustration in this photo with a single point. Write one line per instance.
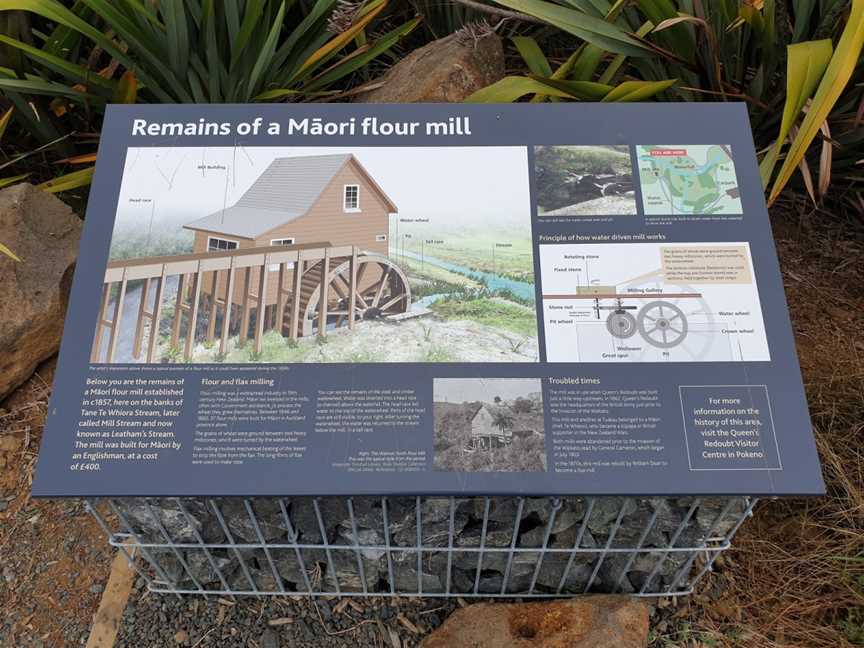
(304, 250)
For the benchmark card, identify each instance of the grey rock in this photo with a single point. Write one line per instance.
(572, 510)
(146, 516)
(567, 539)
(435, 522)
(561, 566)
(261, 577)
(709, 511)
(504, 509)
(200, 566)
(305, 520)
(534, 537)
(498, 534)
(241, 524)
(605, 512)
(406, 577)
(364, 537)
(352, 571)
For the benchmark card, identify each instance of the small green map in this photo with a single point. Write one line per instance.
(692, 180)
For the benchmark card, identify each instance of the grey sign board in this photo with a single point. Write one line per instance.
(428, 299)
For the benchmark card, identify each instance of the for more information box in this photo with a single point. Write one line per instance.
(427, 299)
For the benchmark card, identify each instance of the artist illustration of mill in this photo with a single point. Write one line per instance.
(305, 244)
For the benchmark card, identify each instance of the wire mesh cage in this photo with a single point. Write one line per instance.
(422, 546)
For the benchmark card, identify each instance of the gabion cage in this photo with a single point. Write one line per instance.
(485, 547)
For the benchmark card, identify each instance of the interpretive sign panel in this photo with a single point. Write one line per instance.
(427, 299)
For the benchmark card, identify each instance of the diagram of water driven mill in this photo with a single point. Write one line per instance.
(651, 302)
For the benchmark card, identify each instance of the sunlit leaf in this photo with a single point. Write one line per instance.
(805, 64)
(833, 82)
(78, 159)
(68, 181)
(5, 182)
(4, 121)
(585, 90)
(340, 41)
(5, 250)
(806, 176)
(361, 56)
(680, 39)
(825, 158)
(510, 89)
(638, 90)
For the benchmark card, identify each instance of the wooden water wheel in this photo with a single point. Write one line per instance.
(382, 290)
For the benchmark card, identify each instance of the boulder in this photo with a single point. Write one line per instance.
(446, 70)
(44, 233)
(584, 622)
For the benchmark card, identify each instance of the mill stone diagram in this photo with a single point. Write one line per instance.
(651, 302)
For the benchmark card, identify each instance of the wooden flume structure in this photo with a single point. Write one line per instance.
(292, 288)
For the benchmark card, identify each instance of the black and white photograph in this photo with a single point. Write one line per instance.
(489, 425)
(584, 181)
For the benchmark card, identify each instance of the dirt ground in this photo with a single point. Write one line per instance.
(54, 559)
(795, 579)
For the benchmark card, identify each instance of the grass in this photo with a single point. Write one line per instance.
(173, 353)
(489, 311)
(504, 250)
(475, 327)
(522, 455)
(365, 356)
(274, 348)
(852, 626)
(427, 274)
(133, 243)
(437, 353)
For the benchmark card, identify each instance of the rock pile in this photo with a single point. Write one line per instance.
(451, 533)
